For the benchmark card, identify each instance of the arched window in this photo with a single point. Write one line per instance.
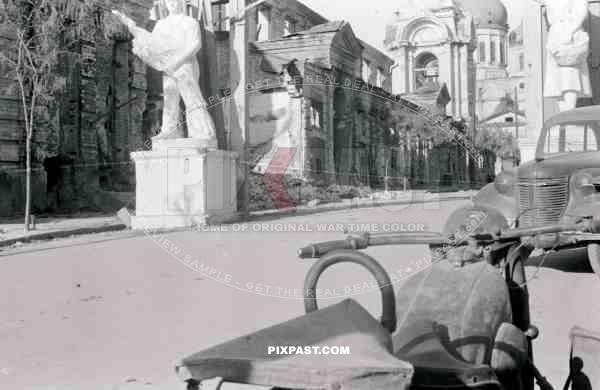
(481, 52)
(492, 52)
(521, 62)
(426, 71)
(289, 26)
(502, 53)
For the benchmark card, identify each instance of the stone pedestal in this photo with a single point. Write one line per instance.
(182, 184)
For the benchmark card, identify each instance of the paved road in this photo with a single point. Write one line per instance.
(115, 313)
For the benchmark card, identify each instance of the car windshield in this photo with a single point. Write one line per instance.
(568, 138)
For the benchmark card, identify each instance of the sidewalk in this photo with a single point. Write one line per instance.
(12, 234)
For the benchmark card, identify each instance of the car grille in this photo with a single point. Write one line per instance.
(542, 201)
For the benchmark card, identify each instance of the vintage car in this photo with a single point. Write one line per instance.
(562, 184)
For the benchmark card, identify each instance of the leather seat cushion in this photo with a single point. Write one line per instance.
(435, 366)
(468, 304)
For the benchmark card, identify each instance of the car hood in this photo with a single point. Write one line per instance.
(559, 165)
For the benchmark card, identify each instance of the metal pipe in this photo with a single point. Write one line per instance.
(591, 227)
(362, 242)
(388, 301)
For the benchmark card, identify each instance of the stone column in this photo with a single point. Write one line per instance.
(401, 72)
(410, 71)
(456, 70)
(534, 52)
(464, 81)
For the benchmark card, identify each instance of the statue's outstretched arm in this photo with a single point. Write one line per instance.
(131, 25)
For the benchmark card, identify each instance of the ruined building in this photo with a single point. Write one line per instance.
(313, 86)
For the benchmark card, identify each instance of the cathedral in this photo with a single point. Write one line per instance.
(462, 54)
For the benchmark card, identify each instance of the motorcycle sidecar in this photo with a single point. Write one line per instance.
(454, 330)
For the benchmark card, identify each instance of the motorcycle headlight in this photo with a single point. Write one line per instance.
(504, 183)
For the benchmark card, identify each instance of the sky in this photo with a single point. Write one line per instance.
(368, 17)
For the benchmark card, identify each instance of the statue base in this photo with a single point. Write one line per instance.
(163, 144)
(184, 183)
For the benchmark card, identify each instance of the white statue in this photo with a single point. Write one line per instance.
(172, 48)
(567, 74)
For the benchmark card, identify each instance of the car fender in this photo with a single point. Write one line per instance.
(489, 197)
(583, 204)
(587, 207)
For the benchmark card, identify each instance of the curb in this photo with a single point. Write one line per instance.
(254, 216)
(62, 234)
(338, 206)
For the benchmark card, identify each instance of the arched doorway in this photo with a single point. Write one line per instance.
(426, 72)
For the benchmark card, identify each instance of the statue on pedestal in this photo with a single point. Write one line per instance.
(567, 73)
(171, 48)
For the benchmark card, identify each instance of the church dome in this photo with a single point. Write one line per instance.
(486, 13)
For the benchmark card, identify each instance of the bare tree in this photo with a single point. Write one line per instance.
(41, 31)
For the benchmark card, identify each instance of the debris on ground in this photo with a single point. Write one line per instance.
(92, 298)
(314, 203)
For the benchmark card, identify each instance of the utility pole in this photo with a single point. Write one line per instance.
(387, 178)
(239, 114)
(516, 112)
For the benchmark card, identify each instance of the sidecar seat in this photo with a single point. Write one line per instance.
(448, 325)
(369, 365)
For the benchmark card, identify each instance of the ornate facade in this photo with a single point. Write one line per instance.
(432, 44)
(501, 80)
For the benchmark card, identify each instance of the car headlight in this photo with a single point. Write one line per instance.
(504, 183)
(583, 180)
(586, 184)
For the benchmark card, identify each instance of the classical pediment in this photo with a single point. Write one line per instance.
(329, 45)
(425, 31)
(428, 34)
(346, 40)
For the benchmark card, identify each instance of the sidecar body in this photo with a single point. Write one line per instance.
(454, 330)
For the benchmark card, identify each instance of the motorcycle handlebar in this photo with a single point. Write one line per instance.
(322, 248)
(365, 240)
